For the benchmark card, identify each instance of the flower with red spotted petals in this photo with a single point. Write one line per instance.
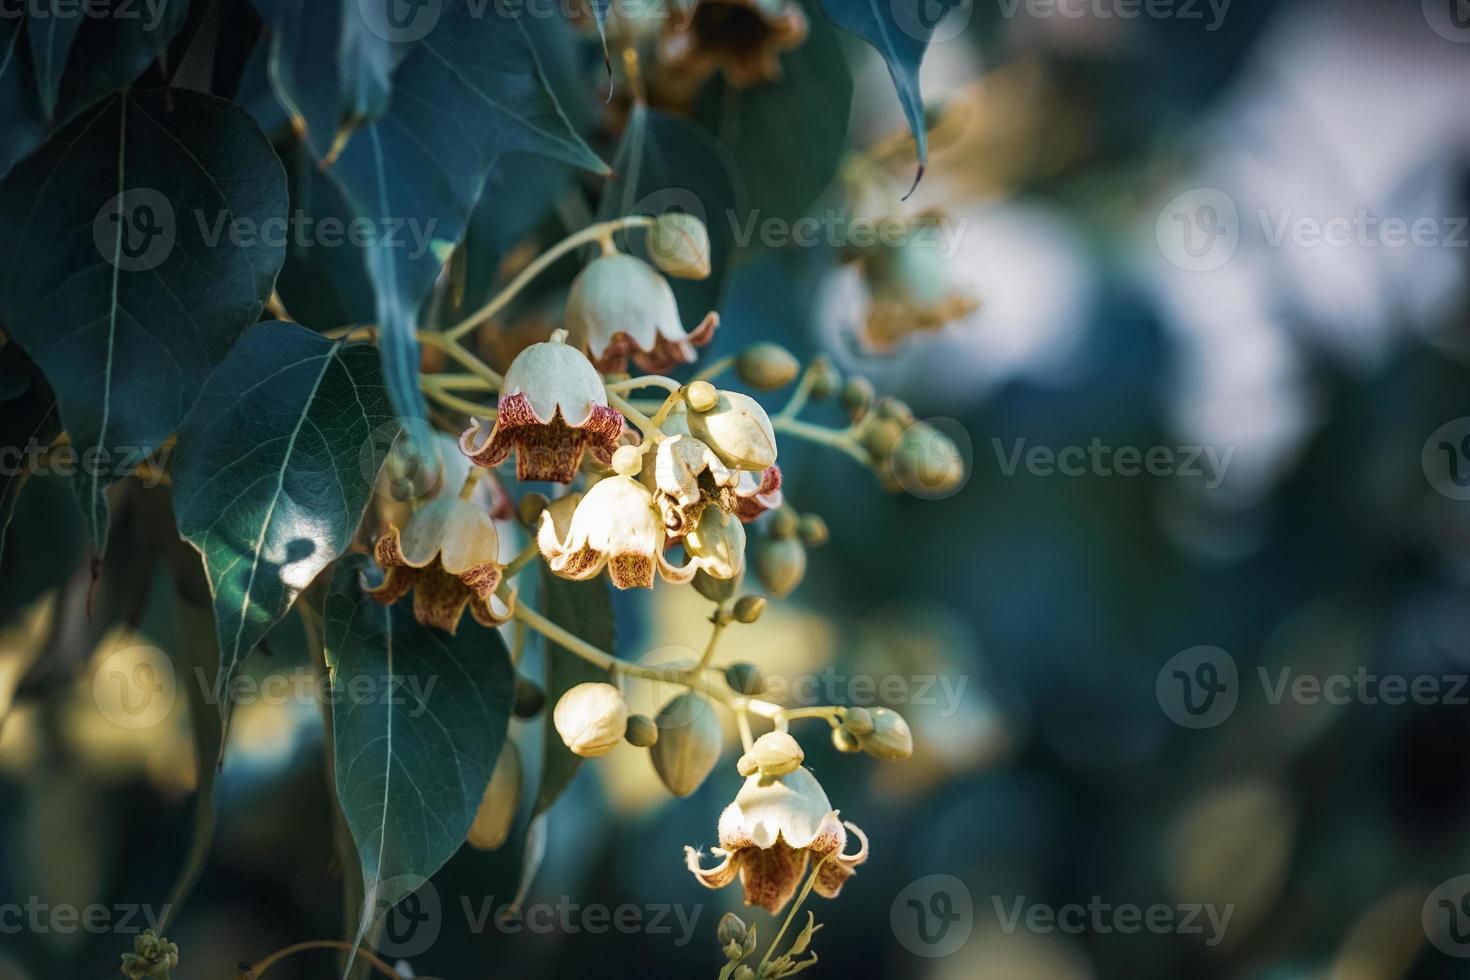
(767, 836)
(620, 307)
(553, 408)
(614, 525)
(449, 555)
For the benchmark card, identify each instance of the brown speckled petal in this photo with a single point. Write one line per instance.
(771, 875)
(840, 867)
(397, 580)
(631, 571)
(439, 598)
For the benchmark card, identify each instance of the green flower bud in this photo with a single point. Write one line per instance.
(748, 608)
(812, 530)
(783, 523)
(767, 366)
(745, 678)
(529, 698)
(497, 812)
(825, 378)
(895, 409)
(642, 731)
(152, 958)
(780, 563)
(845, 741)
(737, 429)
(678, 243)
(856, 396)
(689, 743)
(529, 508)
(880, 438)
(857, 720)
(715, 589)
(776, 754)
(926, 462)
(743, 972)
(890, 737)
(731, 930)
(591, 718)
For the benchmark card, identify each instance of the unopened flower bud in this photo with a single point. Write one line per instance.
(627, 461)
(856, 396)
(895, 409)
(642, 731)
(689, 743)
(529, 698)
(678, 243)
(748, 608)
(880, 438)
(152, 957)
(731, 930)
(825, 378)
(737, 429)
(701, 396)
(783, 523)
(845, 741)
(497, 811)
(776, 754)
(743, 972)
(890, 737)
(766, 366)
(926, 461)
(780, 563)
(591, 718)
(529, 508)
(812, 530)
(745, 678)
(715, 589)
(857, 720)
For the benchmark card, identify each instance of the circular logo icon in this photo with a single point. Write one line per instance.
(401, 21)
(1450, 19)
(671, 199)
(134, 686)
(933, 459)
(647, 696)
(393, 469)
(411, 925)
(1199, 229)
(1198, 687)
(135, 230)
(1446, 459)
(932, 20)
(1446, 917)
(933, 916)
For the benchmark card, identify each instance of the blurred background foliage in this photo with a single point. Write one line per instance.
(1048, 604)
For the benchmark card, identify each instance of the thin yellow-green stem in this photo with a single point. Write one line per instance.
(838, 439)
(464, 405)
(798, 397)
(468, 361)
(528, 554)
(742, 721)
(644, 381)
(714, 369)
(644, 423)
(795, 907)
(258, 970)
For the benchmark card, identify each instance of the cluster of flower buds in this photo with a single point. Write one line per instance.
(152, 958)
(780, 556)
(881, 732)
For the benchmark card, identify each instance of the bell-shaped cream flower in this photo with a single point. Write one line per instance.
(614, 525)
(621, 307)
(449, 555)
(767, 836)
(553, 407)
(687, 475)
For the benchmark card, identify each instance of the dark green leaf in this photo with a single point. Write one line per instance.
(469, 91)
(584, 608)
(900, 30)
(51, 37)
(418, 720)
(29, 422)
(274, 468)
(109, 53)
(20, 104)
(119, 274)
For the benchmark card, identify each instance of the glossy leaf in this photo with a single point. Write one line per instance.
(274, 469)
(900, 30)
(585, 609)
(119, 273)
(467, 93)
(418, 720)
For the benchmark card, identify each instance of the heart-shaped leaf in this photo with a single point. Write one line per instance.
(468, 92)
(120, 274)
(900, 30)
(275, 466)
(418, 719)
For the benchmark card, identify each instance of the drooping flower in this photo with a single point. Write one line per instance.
(553, 408)
(912, 288)
(621, 307)
(616, 525)
(742, 38)
(449, 555)
(771, 831)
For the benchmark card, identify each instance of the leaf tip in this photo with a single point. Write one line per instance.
(917, 177)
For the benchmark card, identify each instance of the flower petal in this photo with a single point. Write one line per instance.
(772, 875)
(839, 867)
(721, 874)
(397, 580)
(439, 598)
